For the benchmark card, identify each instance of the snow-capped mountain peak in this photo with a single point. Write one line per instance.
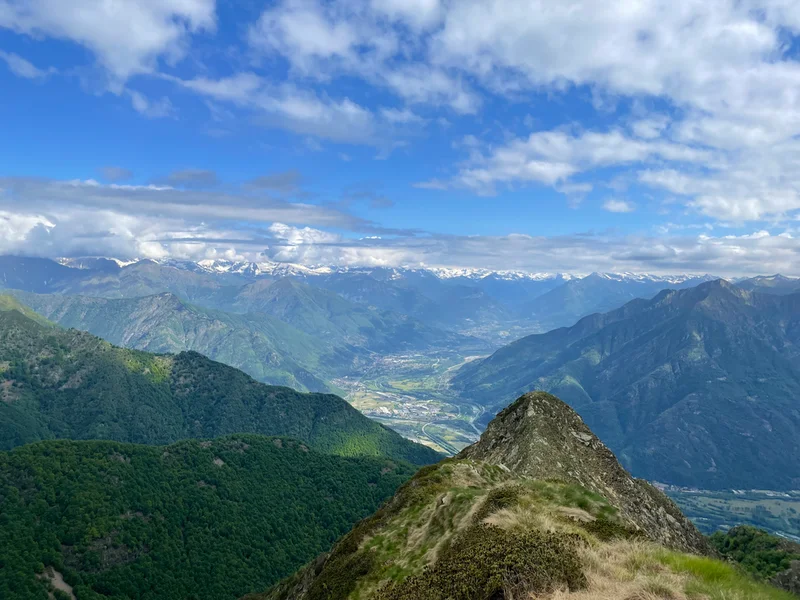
(258, 269)
(650, 278)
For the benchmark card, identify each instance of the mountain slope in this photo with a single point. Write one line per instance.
(313, 310)
(696, 387)
(540, 437)
(262, 346)
(40, 275)
(326, 314)
(8, 303)
(598, 292)
(481, 526)
(70, 384)
(772, 284)
(203, 520)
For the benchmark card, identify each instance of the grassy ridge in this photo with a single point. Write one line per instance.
(465, 529)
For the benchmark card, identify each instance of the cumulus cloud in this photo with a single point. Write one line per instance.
(700, 103)
(325, 40)
(69, 218)
(724, 71)
(126, 36)
(727, 255)
(552, 157)
(616, 205)
(299, 110)
(419, 14)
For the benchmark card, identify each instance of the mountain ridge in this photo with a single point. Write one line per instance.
(481, 525)
(540, 437)
(653, 376)
(69, 384)
(263, 346)
(269, 268)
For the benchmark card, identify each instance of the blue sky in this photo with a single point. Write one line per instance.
(502, 134)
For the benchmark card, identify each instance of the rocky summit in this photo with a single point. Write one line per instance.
(540, 437)
(538, 508)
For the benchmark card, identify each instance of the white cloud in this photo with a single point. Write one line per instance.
(80, 218)
(748, 254)
(152, 109)
(403, 116)
(126, 36)
(551, 157)
(421, 84)
(723, 72)
(304, 112)
(420, 14)
(651, 127)
(302, 235)
(715, 87)
(306, 32)
(616, 205)
(163, 201)
(22, 67)
(68, 218)
(326, 40)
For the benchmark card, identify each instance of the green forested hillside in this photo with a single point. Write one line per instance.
(70, 384)
(198, 519)
(260, 345)
(759, 553)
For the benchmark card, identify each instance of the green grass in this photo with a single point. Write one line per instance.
(716, 580)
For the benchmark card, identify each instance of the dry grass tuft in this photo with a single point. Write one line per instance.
(625, 570)
(523, 518)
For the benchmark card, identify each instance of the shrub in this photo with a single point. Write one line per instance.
(487, 562)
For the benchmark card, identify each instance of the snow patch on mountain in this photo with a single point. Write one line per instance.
(275, 269)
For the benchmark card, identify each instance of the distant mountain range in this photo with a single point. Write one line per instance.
(640, 374)
(494, 305)
(68, 384)
(772, 284)
(697, 387)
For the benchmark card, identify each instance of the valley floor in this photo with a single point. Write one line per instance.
(410, 394)
(775, 511)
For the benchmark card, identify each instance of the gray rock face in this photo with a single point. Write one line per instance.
(789, 579)
(540, 437)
